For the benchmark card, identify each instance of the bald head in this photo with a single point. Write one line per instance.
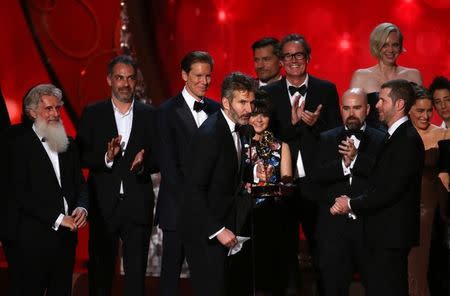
(354, 108)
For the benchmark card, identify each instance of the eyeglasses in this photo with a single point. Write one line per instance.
(298, 56)
(439, 102)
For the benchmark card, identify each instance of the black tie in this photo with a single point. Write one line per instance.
(357, 133)
(199, 106)
(302, 90)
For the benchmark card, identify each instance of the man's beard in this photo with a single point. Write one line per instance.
(54, 134)
(353, 123)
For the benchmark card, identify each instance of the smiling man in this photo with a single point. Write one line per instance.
(391, 207)
(208, 209)
(178, 119)
(48, 201)
(303, 107)
(440, 90)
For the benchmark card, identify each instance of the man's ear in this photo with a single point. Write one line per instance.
(368, 109)
(184, 75)
(400, 104)
(108, 80)
(225, 103)
(33, 114)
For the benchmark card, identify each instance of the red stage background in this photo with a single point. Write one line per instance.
(78, 37)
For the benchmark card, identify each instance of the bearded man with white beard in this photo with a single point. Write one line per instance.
(47, 198)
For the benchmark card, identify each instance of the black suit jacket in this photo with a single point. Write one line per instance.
(8, 205)
(301, 136)
(38, 197)
(176, 126)
(97, 128)
(212, 181)
(330, 177)
(392, 207)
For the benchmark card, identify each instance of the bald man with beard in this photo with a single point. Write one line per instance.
(346, 157)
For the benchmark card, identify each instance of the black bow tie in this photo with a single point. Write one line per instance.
(199, 106)
(302, 90)
(357, 133)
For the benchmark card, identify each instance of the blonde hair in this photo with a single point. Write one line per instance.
(380, 34)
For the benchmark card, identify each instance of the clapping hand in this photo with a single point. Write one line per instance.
(138, 160)
(310, 118)
(348, 151)
(297, 111)
(114, 147)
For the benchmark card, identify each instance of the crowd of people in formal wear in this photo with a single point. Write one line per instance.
(363, 177)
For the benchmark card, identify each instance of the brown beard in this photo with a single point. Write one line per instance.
(353, 123)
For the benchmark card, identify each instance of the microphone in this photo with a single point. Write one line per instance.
(247, 132)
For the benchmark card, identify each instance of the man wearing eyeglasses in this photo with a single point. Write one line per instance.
(440, 90)
(303, 107)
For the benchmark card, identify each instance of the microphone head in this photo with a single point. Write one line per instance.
(247, 130)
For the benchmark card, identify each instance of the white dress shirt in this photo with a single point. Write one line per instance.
(55, 163)
(124, 123)
(199, 117)
(300, 171)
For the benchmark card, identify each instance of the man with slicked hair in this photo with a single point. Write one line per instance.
(178, 119)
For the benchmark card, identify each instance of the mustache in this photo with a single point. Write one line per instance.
(352, 118)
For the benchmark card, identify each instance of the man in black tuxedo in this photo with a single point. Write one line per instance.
(178, 119)
(303, 107)
(208, 211)
(116, 143)
(346, 157)
(391, 208)
(48, 199)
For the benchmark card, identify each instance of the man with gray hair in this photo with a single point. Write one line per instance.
(346, 157)
(48, 201)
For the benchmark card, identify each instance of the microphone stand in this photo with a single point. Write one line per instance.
(247, 133)
(252, 222)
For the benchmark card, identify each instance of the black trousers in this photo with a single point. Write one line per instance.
(387, 272)
(103, 248)
(172, 261)
(339, 257)
(10, 249)
(207, 265)
(45, 268)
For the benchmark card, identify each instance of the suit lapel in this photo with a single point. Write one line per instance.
(310, 103)
(285, 101)
(43, 156)
(229, 142)
(136, 123)
(185, 114)
(209, 109)
(111, 126)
